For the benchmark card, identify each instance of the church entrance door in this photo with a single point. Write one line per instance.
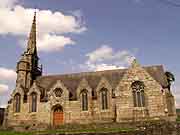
(58, 117)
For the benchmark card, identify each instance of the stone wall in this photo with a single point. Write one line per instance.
(154, 102)
(120, 108)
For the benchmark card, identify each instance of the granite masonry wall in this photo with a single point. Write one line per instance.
(159, 103)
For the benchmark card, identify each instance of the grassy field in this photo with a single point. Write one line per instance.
(14, 133)
(108, 130)
(97, 130)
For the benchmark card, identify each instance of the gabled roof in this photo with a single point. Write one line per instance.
(157, 72)
(71, 81)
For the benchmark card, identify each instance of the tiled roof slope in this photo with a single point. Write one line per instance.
(71, 81)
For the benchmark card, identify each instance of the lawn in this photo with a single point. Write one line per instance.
(98, 130)
(61, 131)
(14, 133)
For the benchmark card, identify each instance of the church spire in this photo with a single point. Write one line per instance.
(28, 67)
(31, 48)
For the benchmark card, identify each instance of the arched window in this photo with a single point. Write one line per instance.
(84, 99)
(138, 94)
(33, 102)
(104, 98)
(17, 104)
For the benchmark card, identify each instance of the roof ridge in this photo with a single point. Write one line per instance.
(94, 72)
(83, 73)
(71, 81)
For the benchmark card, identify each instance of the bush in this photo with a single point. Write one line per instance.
(178, 119)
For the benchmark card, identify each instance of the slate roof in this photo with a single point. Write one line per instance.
(71, 81)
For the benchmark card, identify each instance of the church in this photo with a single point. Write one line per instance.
(137, 93)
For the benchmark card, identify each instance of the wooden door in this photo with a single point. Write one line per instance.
(58, 117)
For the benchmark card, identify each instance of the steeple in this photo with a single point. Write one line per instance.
(31, 48)
(28, 68)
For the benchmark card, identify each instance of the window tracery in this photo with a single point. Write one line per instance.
(138, 94)
(58, 92)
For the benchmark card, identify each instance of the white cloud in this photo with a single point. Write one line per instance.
(53, 43)
(7, 3)
(106, 53)
(101, 67)
(3, 88)
(106, 58)
(175, 89)
(103, 53)
(7, 80)
(3, 106)
(7, 74)
(47, 21)
(79, 17)
(50, 25)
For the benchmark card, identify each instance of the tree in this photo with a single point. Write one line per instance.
(170, 78)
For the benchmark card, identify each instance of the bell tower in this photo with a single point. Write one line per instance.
(28, 68)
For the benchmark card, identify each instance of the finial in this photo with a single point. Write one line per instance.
(34, 19)
(134, 62)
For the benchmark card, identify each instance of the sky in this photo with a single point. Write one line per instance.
(90, 35)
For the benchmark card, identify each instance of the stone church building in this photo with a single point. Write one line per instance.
(123, 95)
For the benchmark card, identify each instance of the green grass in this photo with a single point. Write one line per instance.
(98, 130)
(14, 133)
(70, 131)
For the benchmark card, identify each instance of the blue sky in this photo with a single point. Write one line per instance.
(90, 35)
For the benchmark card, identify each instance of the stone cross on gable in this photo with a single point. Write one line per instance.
(135, 63)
